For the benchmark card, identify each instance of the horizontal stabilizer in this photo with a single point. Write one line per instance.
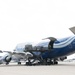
(72, 29)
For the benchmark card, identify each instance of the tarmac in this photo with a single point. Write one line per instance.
(63, 68)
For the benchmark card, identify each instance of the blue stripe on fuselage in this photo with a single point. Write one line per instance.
(64, 43)
(62, 51)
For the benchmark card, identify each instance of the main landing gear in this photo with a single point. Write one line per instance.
(43, 62)
(19, 63)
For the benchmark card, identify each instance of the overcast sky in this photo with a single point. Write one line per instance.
(32, 20)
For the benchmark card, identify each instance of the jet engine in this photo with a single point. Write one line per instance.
(7, 59)
(62, 58)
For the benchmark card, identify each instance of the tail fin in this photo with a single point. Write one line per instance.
(72, 29)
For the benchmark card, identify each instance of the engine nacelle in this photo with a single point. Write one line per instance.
(7, 58)
(62, 58)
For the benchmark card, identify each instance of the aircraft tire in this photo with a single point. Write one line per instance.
(7, 63)
(55, 63)
(19, 63)
(28, 64)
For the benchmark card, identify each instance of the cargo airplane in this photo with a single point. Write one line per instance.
(46, 52)
(49, 51)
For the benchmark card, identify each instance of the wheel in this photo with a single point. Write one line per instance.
(50, 63)
(7, 63)
(28, 63)
(19, 63)
(55, 62)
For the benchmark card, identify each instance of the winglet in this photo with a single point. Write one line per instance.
(72, 29)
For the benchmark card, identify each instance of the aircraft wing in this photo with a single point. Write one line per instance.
(19, 53)
(8, 52)
(72, 29)
(22, 55)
